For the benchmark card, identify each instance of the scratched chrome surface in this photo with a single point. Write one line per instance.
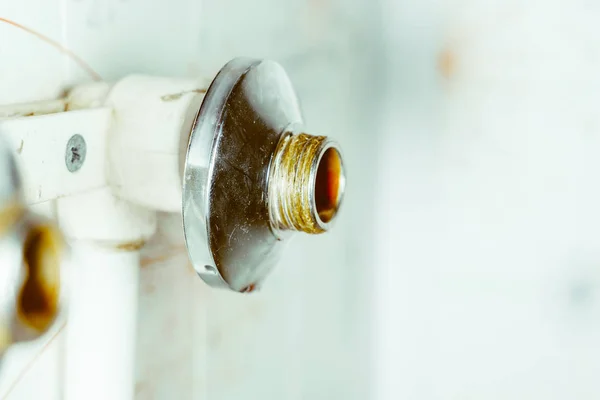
(225, 204)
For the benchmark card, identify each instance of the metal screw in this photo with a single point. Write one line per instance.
(75, 153)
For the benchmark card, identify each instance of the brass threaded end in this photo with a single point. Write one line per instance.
(306, 183)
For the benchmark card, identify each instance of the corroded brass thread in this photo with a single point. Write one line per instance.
(305, 184)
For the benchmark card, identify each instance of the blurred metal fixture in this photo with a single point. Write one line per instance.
(32, 278)
(252, 176)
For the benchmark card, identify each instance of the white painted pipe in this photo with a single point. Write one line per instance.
(153, 118)
(136, 133)
(101, 326)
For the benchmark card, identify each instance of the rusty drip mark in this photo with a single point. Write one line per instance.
(249, 289)
(177, 96)
(38, 299)
(95, 76)
(131, 246)
(152, 260)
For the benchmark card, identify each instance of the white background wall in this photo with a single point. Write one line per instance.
(488, 218)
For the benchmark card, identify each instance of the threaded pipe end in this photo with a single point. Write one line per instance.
(306, 183)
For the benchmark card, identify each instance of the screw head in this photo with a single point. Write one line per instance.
(75, 153)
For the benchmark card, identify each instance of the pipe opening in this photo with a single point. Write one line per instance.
(38, 300)
(306, 183)
(329, 185)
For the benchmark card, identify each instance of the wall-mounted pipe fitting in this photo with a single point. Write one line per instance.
(232, 156)
(252, 176)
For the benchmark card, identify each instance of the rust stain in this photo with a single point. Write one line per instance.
(447, 63)
(38, 301)
(10, 214)
(191, 269)
(131, 246)
(249, 289)
(177, 96)
(146, 261)
(95, 76)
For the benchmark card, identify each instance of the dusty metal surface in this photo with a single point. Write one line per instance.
(250, 176)
(241, 120)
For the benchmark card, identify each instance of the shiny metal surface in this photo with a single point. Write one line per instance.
(225, 204)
